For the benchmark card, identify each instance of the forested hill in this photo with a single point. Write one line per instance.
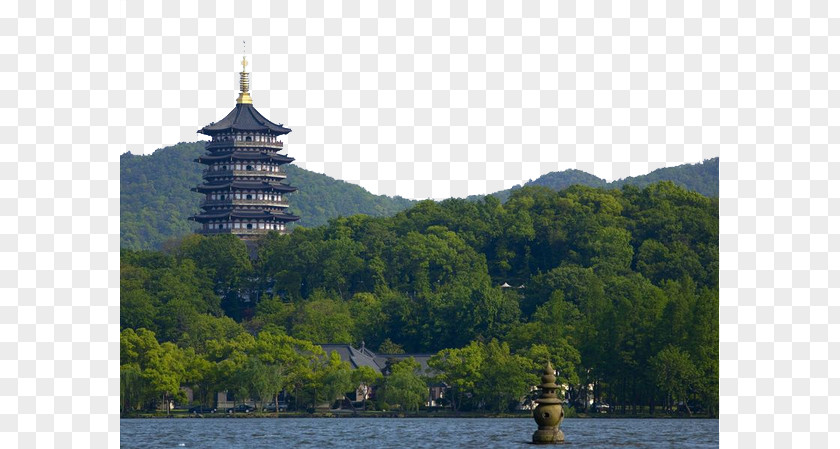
(701, 178)
(617, 287)
(155, 197)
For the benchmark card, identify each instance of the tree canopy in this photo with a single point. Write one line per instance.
(612, 286)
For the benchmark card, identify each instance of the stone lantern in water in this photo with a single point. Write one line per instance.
(549, 412)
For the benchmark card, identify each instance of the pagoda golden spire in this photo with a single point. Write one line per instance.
(244, 96)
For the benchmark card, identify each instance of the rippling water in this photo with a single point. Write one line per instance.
(486, 433)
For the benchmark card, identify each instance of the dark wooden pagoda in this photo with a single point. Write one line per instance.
(244, 192)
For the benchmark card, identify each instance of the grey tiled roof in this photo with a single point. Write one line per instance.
(236, 213)
(241, 184)
(244, 117)
(355, 357)
(366, 357)
(244, 155)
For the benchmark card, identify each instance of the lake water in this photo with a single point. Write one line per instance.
(271, 433)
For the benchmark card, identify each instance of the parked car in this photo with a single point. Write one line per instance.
(281, 407)
(241, 408)
(599, 407)
(202, 409)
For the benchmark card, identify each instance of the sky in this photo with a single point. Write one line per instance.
(433, 100)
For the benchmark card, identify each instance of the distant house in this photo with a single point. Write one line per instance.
(356, 358)
(382, 362)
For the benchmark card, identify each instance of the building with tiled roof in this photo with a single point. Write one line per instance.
(366, 357)
(381, 363)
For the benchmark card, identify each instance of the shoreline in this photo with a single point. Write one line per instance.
(391, 415)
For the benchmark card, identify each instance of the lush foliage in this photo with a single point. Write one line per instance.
(617, 288)
(404, 387)
(156, 201)
(155, 197)
(487, 375)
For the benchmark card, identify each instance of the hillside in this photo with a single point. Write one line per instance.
(155, 197)
(701, 178)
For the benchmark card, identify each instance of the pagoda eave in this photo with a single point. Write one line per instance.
(244, 118)
(245, 185)
(237, 155)
(245, 215)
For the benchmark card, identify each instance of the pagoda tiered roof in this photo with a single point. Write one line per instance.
(245, 185)
(243, 135)
(249, 214)
(244, 117)
(244, 155)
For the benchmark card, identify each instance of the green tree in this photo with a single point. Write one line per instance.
(225, 258)
(443, 279)
(137, 308)
(704, 347)
(674, 373)
(611, 251)
(389, 347)
(139, 350)
(204, 328)
(198, 375)
(369, 318)
(459, 368)
(336, 378)
(506, 378)
(341, 265)
(132, 387)
(135, 346)
(274, 314)
(365, 378)
(659, 262)
(231, 357)
(404, 387)
(627, 335)
(165, 372)
(163, 294)
(549, 336)
(324, 320)
(293, 362)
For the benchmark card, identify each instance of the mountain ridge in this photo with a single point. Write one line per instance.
(701, 177)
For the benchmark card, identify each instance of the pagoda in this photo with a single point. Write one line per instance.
(244, 192)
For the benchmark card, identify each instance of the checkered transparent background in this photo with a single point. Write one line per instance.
(426, 99)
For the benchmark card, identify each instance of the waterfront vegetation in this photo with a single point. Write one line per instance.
(618, 288)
